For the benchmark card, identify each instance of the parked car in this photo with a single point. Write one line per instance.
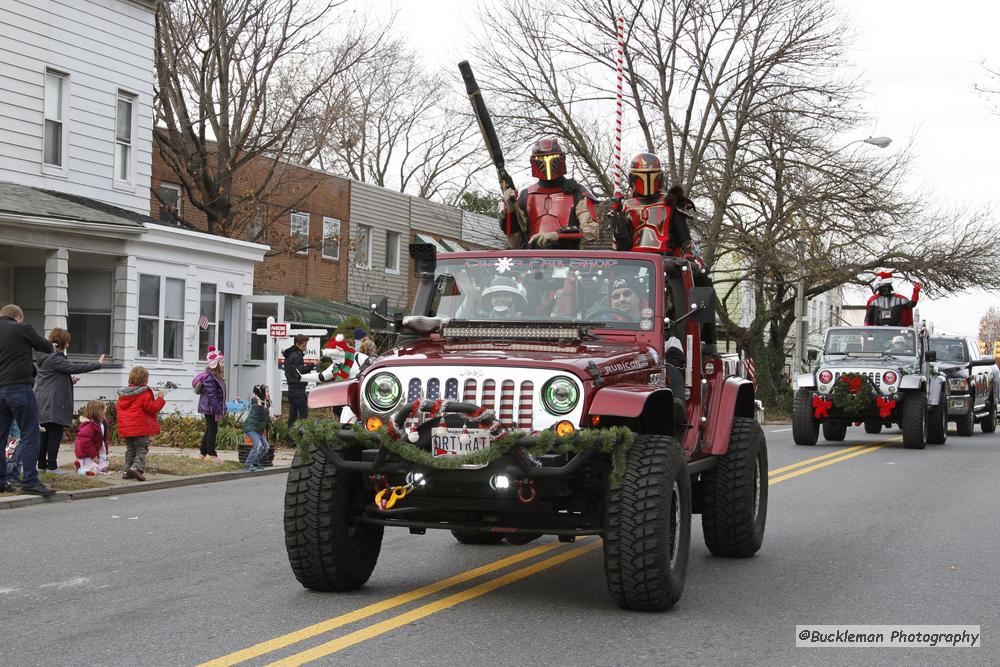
(972, 384)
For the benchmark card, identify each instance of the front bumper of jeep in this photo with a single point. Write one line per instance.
(870, 413)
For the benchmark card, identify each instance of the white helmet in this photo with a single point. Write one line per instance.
(508, 287)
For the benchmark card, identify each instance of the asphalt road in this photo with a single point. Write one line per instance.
(869, 535)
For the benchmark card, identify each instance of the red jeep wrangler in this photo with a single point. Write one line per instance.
(537, 393)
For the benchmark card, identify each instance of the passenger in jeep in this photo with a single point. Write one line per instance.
(654, 221)
(624, 298)
(888, 309)
(505, 298)
(560, 212)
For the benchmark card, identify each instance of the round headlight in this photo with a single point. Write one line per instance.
(384, 391)
(890, 377)
(825, 377)
(560, 395)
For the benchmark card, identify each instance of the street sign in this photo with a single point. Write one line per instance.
(278, 330)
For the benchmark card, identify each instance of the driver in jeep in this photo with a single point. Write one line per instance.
(624, 298)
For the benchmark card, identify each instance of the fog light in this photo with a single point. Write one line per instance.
(564, 428)
(415, 478)
(595, 421)
(373, 423)
(500, 482)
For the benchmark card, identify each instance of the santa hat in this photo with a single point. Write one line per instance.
(214, 356)
(340, 345)
(883, 278)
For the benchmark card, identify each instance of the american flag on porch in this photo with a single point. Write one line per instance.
(749, 370)
(203, 321)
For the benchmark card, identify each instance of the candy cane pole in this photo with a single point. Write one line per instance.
(619, 108)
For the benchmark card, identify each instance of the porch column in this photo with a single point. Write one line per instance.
(124, 328)
(56, 292)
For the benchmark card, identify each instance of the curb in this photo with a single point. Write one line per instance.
(14, 502)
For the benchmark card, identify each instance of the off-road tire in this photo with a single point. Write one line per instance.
(734, 494)
(647, 526)
(805, 427)
(327, 549)
(914, 420)
(475, 537)
(989, 422)
(874, 428)
(937, 423)
(834, 431)
(966, 424)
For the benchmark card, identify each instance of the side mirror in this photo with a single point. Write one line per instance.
(812, 355)
(702, 303)
(378, 316)
(984, 361)
(930, 355)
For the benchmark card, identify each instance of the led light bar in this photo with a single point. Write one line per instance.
(518, 332)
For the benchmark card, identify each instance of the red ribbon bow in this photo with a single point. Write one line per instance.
(821, 406)
(853, 384)
(885, 406)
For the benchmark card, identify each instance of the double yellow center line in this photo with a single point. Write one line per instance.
(371, 631)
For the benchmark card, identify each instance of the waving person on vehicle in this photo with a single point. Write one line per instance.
(888, 309)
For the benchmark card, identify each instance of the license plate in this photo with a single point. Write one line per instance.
(448, 441)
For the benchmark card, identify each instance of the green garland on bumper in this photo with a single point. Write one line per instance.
(848, 402)
(614, 441)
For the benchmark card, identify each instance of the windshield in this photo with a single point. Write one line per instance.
(870, 340)
(950, 349)
(618, 292)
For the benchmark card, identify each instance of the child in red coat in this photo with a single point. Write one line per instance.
(137, 410)
(92, 440)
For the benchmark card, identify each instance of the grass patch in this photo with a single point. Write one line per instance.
(67, 482)
(180, 466)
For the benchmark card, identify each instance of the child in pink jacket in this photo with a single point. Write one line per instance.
(92, 440)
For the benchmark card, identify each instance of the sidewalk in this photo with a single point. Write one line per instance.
(115, 485)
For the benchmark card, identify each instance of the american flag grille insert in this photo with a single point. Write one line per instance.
(514, 407)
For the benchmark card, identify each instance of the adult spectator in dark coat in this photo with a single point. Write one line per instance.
(54, 393)
(295, 368)
(17, 400)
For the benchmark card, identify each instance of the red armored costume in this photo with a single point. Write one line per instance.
(886, 308)
(654, 221)
(555, 212)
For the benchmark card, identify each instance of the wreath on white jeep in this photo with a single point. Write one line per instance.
(852, 392)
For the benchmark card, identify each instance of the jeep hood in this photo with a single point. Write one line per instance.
(610, 357)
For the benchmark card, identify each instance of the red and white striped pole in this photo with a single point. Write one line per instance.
(619, 109)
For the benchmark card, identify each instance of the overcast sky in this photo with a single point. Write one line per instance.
(921, 61)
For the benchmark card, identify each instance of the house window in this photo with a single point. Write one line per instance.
(169, 195)
(123, 138)
(90, 297)
(55, 90)
(331, 238)
(300, 232)
(161, 317)
(363, 250)
(208, 318)
(392, 252)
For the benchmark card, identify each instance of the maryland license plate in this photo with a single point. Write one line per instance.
(453, 441)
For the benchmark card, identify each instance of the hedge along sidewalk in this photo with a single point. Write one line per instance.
(114, 485)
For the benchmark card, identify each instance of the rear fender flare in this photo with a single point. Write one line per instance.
(642, 408)
(735, 400)
(937, 393)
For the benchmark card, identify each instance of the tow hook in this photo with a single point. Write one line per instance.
(530, 485)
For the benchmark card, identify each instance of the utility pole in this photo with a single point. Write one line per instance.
(801, 326)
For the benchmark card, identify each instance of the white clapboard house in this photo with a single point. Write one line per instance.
(78, 249)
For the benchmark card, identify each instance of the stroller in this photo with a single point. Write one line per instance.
(239, 409)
